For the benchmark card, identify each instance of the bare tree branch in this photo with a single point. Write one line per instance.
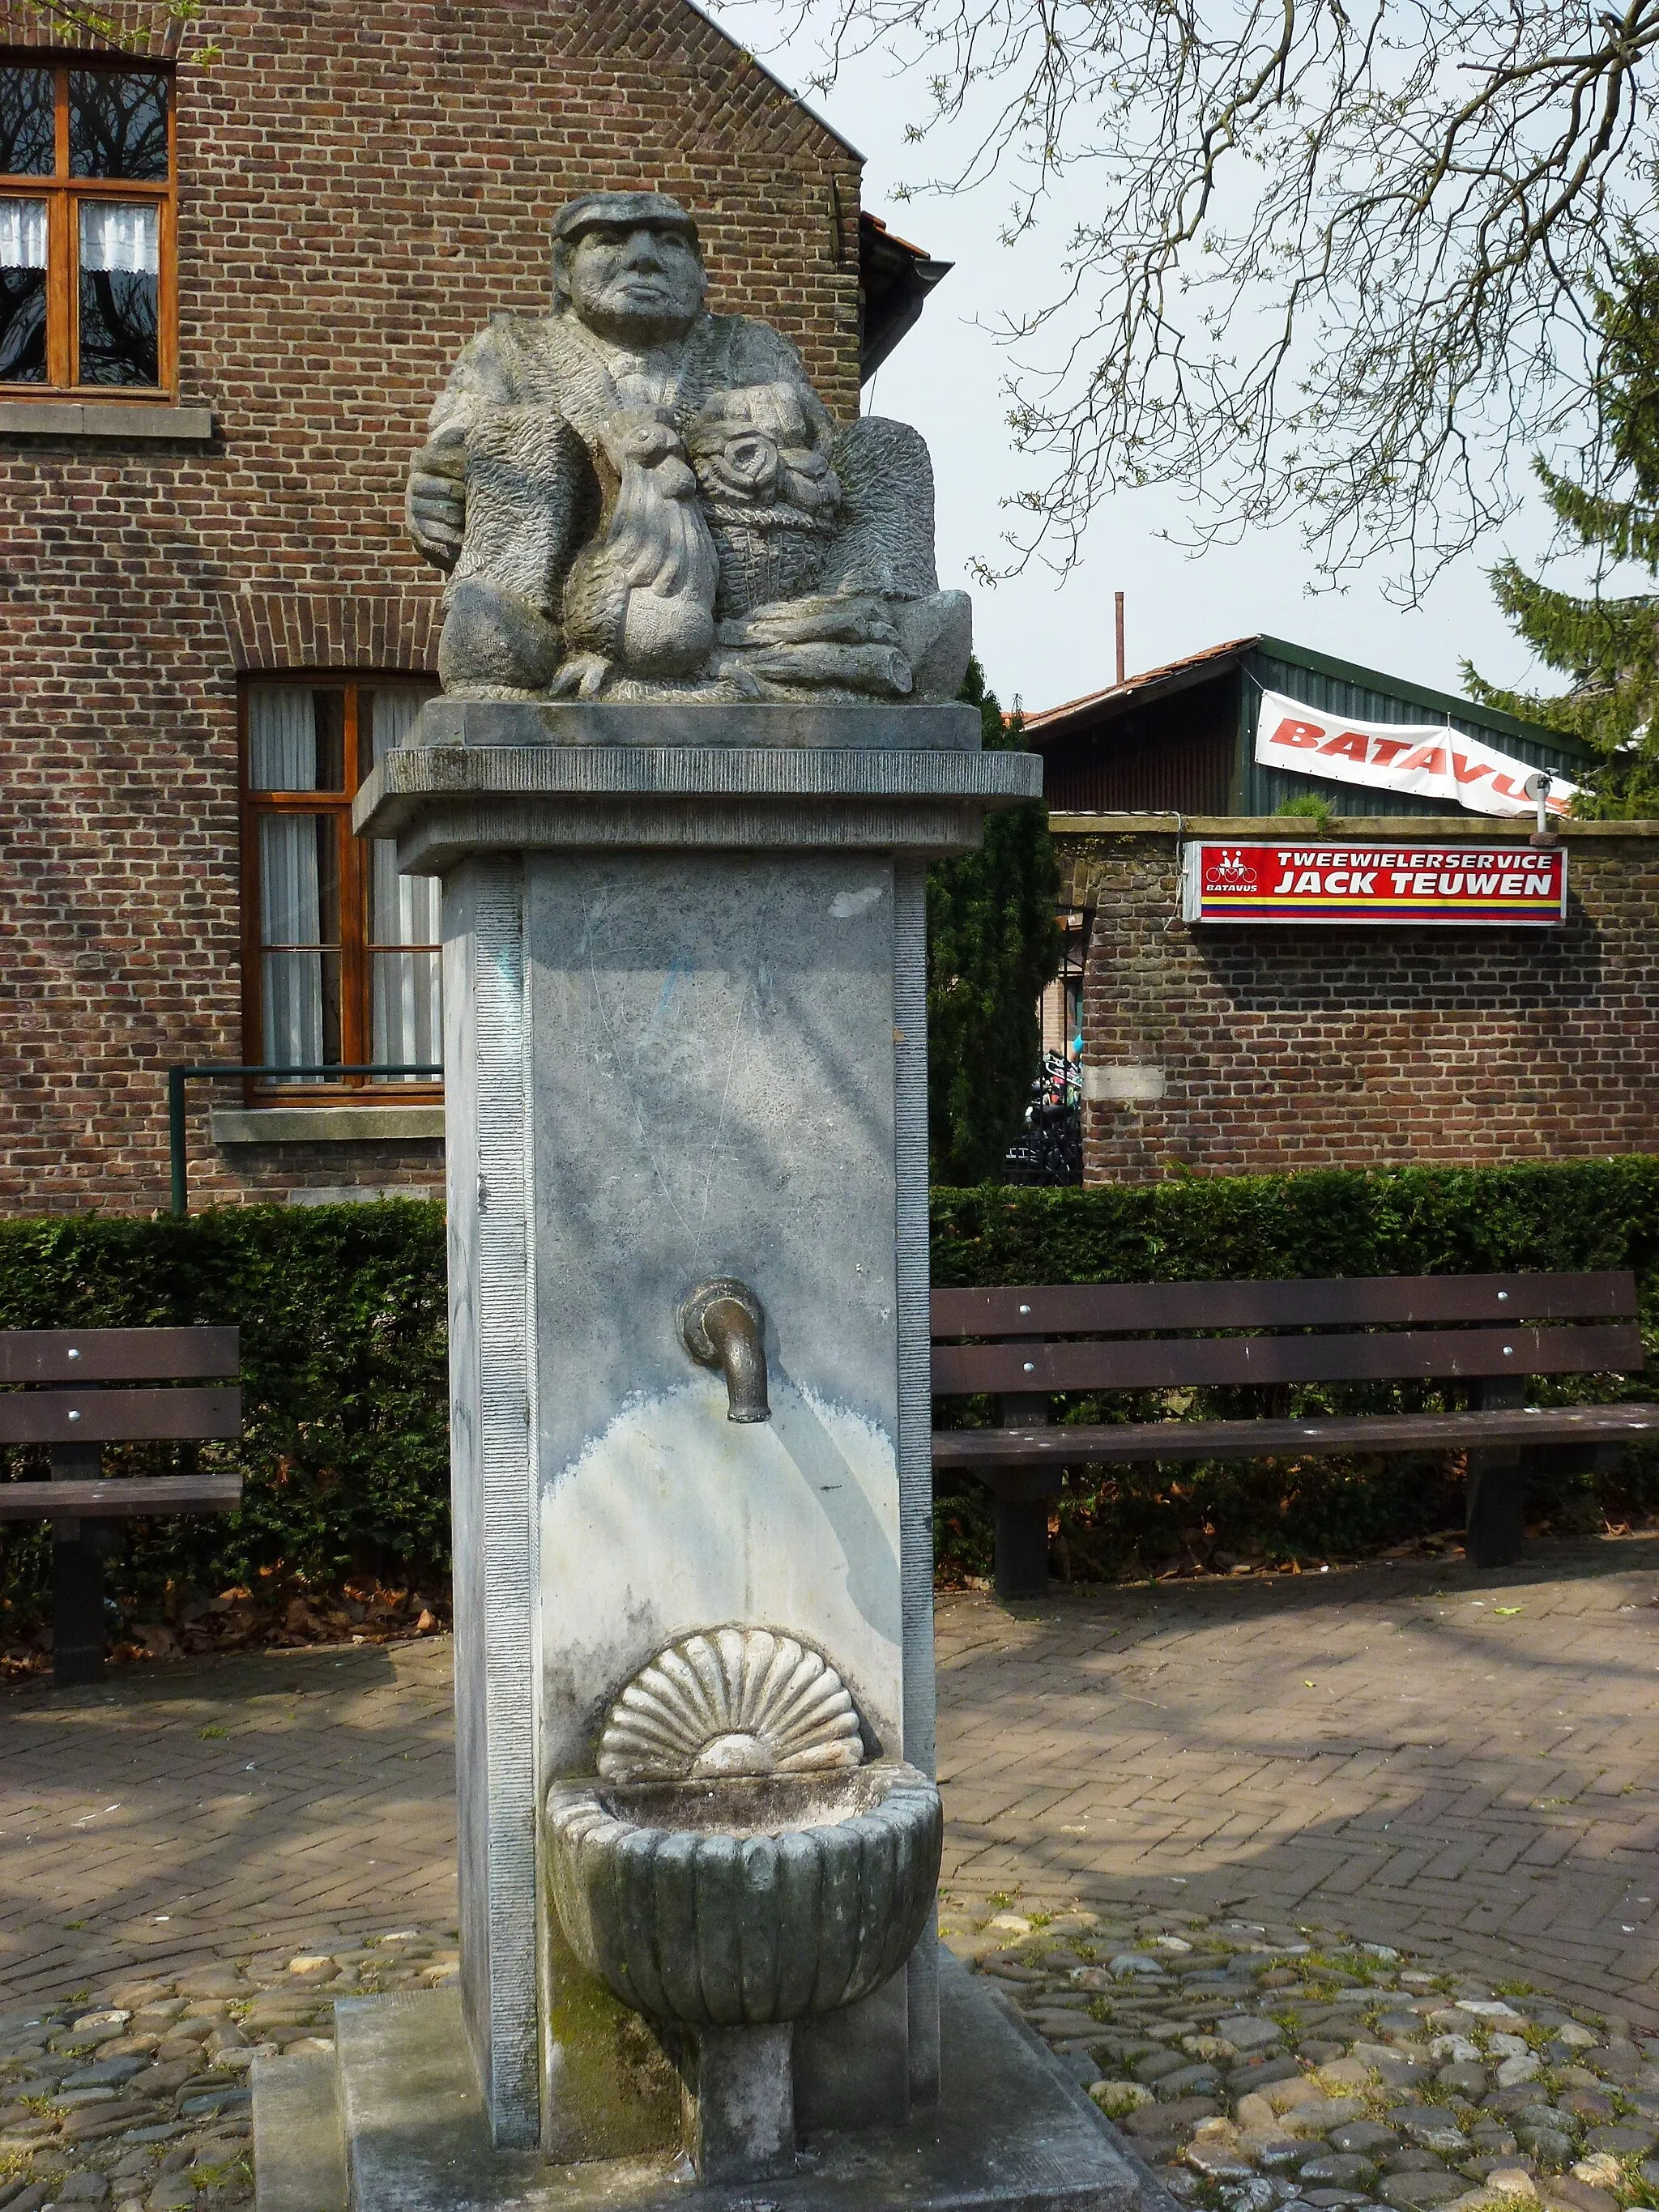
(1342, 255)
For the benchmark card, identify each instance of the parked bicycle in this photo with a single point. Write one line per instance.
(1049, 1150)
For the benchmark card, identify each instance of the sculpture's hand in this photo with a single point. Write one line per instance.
(733, 668)
(583, 673)
(878, 671)
(819, 620)
(436, 504)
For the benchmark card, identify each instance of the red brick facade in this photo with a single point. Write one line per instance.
(1348, 1047)
(359, 186)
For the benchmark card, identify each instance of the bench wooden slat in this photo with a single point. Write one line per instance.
(1037, 1340)
(1173, 1362)
(975, 1451)
(43, 1417)
(118, 1355)
(120, 1499)
(1082, 1308)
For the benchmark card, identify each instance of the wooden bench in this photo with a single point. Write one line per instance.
(63, 1401)
(1489, 1332)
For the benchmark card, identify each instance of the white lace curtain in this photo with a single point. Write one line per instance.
(282, 729)
(23, 233)
(282, 756)
(117, 235)
(114, 235)
(406, 1004)
(296, 893)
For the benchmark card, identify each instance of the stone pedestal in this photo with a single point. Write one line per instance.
(395, 2123)
(685, 1039)
(686, 1046)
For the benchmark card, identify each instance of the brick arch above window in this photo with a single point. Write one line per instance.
(270, 631)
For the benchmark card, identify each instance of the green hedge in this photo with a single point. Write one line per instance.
(1404, 1221)
(1410, 1221)
(344, 1450)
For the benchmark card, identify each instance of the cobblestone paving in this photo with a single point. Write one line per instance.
(1463, 1764)
(1281, 2069)
(136, 2094)
(1176, 1821)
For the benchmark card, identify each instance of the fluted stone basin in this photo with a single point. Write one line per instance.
(745, 1901)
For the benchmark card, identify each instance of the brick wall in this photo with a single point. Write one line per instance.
(359, 187)
(1320, 1046)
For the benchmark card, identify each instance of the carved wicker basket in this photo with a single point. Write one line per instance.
(765, 554)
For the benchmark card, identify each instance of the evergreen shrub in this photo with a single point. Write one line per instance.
(344, 1455)
(993, 945)
(344, 1449)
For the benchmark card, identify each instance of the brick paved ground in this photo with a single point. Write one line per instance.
(1463, 1764)
(210, 1807)
(1349, 1748)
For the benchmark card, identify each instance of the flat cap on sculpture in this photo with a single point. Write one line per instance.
(634, 499)
(589, 210)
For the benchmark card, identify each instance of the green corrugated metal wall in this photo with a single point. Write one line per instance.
(1261, 790)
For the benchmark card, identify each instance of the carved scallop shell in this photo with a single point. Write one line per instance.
(736, 1701)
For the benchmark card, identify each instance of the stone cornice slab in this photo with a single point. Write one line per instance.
(443, 804)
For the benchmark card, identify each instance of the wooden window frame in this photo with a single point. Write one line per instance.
(352, 855)
(61, 192)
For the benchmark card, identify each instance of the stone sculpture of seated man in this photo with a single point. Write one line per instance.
(635, 499)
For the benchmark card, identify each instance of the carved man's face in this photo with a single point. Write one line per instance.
(639, 286)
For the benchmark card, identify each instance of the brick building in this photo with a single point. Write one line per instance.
(1262, 1048)
(228, 296)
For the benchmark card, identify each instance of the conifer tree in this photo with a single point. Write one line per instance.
(1608, 647)
(993, 943)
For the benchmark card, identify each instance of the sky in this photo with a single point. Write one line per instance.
(1044, 639)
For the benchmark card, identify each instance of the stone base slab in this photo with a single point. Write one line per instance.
(697, 722)
(397, 2125)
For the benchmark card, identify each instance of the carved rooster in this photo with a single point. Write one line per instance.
(642, 595)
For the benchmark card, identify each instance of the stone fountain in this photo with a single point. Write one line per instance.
(697, 745)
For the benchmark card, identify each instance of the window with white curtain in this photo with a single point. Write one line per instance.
(22, 291)
(406, 1014)
(86, 224)
(343, 965)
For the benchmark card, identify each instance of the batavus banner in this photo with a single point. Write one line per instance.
(1429, 759)
(1504, 884)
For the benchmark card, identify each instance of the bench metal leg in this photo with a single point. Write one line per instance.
(1495, 1530)
(1022, 1552)
(78, 1550)
(1494, 1491)
(1497, 1492)
(77, 1605)
(1022, 1559)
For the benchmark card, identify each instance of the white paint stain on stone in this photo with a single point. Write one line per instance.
(676, 1519)
(846, 905)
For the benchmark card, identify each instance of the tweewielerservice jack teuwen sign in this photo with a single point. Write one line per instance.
(1509, 886)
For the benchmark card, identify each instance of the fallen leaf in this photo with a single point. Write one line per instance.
(1504, 1611)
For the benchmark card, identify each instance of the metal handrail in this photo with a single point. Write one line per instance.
(178, 1077)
